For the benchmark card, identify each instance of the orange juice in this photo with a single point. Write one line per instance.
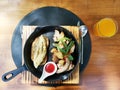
(105, 28)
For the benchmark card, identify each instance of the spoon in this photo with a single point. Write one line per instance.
(83, 30)
(49, 69)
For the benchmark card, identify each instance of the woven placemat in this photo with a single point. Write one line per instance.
(29, 78)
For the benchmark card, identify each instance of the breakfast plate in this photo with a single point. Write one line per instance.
(48, 16)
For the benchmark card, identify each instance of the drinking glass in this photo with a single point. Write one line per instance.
(106, 27)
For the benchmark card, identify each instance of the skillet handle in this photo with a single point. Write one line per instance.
(11, 74)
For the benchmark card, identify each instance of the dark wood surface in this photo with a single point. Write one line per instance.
(103, 69)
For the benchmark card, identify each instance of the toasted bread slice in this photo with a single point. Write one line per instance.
(39, 50)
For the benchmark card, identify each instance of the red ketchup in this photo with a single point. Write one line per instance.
(49, 68)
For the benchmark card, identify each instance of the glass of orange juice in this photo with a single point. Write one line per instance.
(106, 27)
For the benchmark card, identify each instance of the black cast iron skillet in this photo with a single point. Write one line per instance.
(47, 31)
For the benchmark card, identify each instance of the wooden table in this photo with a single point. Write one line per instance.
(103, 69)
